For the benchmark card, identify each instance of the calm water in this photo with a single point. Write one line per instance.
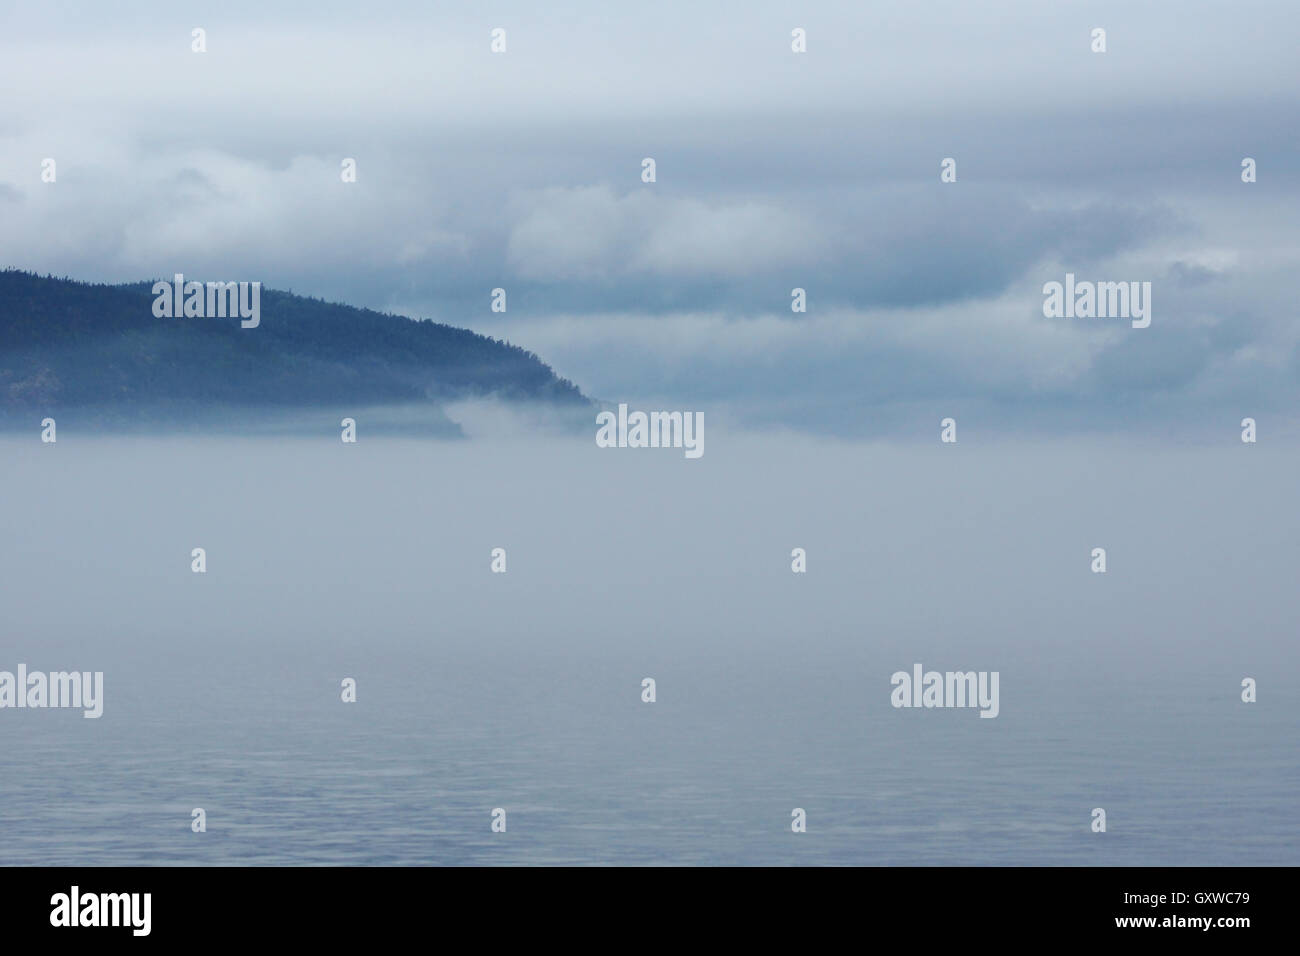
(522, 690)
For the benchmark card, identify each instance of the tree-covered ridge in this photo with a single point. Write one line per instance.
(69, 344)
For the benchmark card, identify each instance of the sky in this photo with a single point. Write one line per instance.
(774, 170)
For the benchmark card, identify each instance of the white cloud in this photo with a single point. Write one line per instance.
(590, 232)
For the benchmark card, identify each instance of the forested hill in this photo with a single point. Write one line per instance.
(75, 345)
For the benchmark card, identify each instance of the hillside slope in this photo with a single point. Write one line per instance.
(67, 345)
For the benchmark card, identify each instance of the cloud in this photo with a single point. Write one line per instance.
(590, 232)
(775, 171)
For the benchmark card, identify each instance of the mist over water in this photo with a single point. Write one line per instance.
(522, 690)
